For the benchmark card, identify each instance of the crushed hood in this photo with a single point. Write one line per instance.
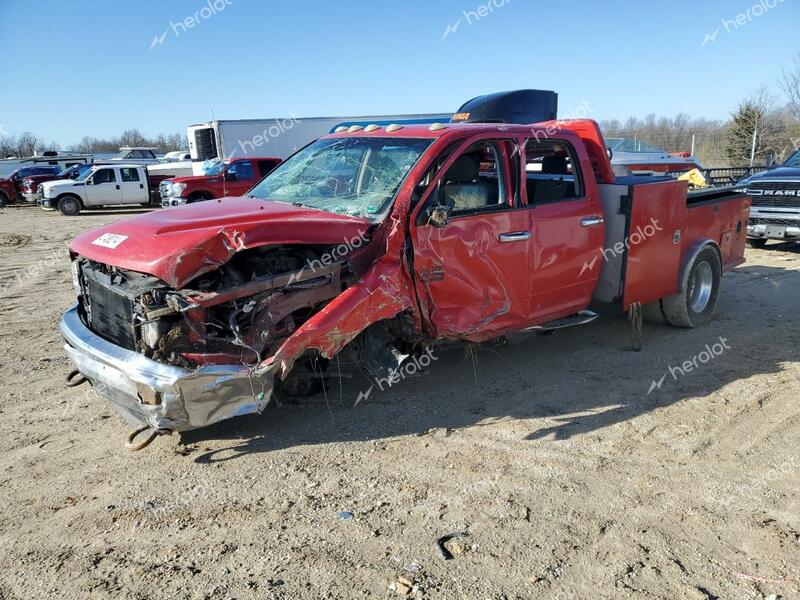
(178, 244)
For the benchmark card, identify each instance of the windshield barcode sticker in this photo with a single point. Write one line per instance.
(110, 240)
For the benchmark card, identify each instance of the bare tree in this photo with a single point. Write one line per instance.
(790, 84)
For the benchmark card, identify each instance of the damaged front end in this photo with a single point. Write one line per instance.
(179, 359)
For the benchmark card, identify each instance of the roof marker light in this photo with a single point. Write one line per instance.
(371, 128)
(340, 129)
(394, 127)
(437, 126)
(354, 128)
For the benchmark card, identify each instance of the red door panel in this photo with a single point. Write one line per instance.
(565, 243)
(658, 215)
(471, 284)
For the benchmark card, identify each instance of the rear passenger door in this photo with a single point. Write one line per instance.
(472, 273)
(132, 187)
(103, 187)
(567, 227)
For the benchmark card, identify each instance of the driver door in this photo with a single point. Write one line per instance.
(239, 178)
(103, 188)
(472, 272)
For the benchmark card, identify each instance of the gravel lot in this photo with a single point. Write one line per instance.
(570, 480)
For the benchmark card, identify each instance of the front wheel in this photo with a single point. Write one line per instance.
(3, 200)
(756, 242)
(69, 206)
(695, 305)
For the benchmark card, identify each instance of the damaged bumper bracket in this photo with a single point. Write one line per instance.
(164, 397)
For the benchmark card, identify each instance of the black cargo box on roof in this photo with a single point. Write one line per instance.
(519, 107)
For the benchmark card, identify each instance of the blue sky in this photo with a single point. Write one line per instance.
(85, 67)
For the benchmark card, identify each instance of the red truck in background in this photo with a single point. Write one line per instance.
(29, 186)
(382, 241)
(226, 178)
(11, 186)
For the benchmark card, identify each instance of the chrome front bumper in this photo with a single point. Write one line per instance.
(167, 201)
(163, 397)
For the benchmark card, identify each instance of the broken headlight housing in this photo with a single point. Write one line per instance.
(76, 277)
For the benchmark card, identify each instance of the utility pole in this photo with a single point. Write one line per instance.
(753, 147)
(693, 138)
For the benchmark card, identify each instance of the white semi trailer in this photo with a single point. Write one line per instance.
(280, 138)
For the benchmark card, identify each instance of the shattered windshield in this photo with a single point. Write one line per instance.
(347, 176)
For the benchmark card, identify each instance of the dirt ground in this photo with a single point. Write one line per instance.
(570, 476)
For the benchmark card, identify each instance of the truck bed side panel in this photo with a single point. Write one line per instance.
(658, 213)
(723, 219)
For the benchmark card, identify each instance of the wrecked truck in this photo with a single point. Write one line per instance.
(380, 241)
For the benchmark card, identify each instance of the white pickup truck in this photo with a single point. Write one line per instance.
(102, 185)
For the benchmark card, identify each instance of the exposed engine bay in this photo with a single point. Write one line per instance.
(237, 314)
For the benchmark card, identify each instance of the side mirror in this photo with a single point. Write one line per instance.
(89, 181)
(229, 176)
(438, 215)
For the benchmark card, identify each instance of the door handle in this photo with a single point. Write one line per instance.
(516, 236)
(141, 186)
(117, 186)
(592, 221)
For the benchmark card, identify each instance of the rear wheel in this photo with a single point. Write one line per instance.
(3, 200)
(694, 306)
(69, 206)
(756, 242)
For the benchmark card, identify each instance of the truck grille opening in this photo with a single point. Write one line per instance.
(109, 301)
(110, 314)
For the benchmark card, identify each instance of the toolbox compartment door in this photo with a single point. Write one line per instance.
(654, 241)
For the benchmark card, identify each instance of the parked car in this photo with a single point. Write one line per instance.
(228, 178)
(640, 158)
(137, 155)
(382, 242)
(776, 203)
(30, 184)
(11, 186)
(101, 185)
(176, 156)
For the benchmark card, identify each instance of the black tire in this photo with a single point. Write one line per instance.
(653, 313)
(3, 200)
(69, 206)
(694, 306)
(756, 242)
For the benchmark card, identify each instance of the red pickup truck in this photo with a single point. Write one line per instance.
(383, 241)
(227, 178)
(11, 186)
(29, 186)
